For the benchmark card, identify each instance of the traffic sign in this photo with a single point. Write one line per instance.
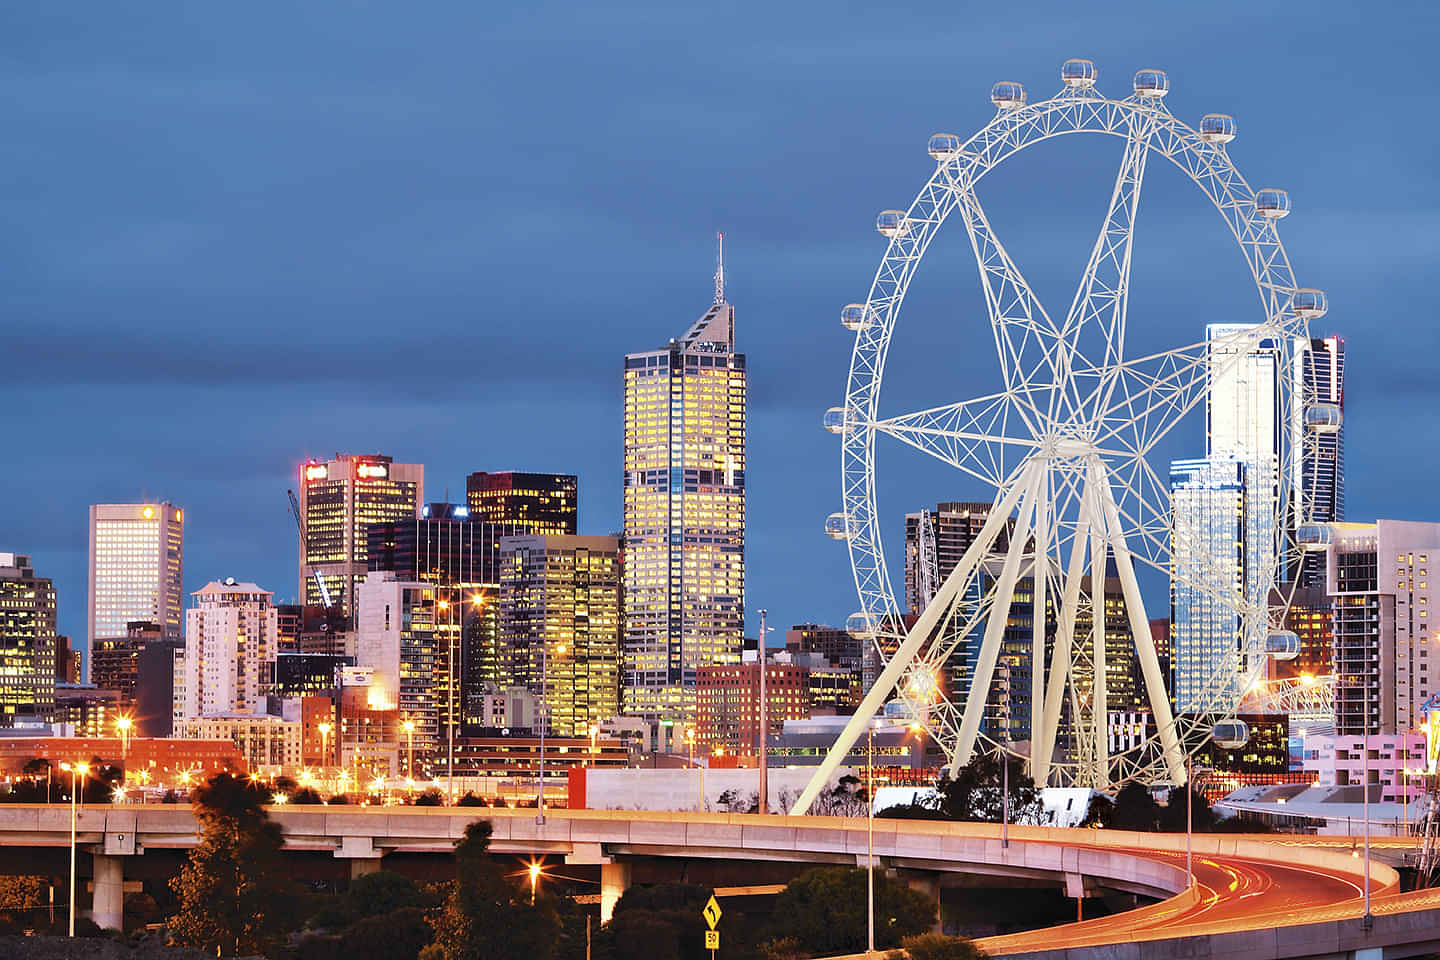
(712, 939)
(712, 912)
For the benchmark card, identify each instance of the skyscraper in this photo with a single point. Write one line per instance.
(1208, 573)
(564, 592)
(399, 637)
(1318, 471)
(230, 649)
(27, 641)
(339, 500)
(941, 536)
(684, 509)
(541, 502)
(137, 566)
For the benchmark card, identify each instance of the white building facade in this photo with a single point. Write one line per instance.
(230, 649)
(137, 566)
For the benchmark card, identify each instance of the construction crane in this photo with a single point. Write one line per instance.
(300, 525)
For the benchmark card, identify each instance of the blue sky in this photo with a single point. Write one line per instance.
(238, 236)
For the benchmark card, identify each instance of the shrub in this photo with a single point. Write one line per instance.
(937, 946)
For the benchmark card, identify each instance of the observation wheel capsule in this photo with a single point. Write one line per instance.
(1324, 417)
(1309, 303)
(1230, 734)
(1151, 83)
(1079, 73)
(1217, 128)
(945, 146)
(1314, 537)
(892, 223)
(858, 626)
(1272, 203)
(838, 527)
(1282, 645)
(856, 316)
(1008, 95)
(835, 420)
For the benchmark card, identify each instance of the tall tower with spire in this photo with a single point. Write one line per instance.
(684, 512)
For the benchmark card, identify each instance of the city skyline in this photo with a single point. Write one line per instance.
(275, 358)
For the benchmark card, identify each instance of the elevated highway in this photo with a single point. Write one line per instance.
(1265, 896)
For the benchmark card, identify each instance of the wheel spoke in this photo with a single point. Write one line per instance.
(979, 437)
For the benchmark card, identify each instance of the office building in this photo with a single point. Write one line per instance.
(935, 540)
(1378, 578)
(115, 661)
(402, 638)
(140, 668)
(840, 648)
(828, 689)
(1318, 478)
(1309, 616)
(137, 566)
(727, 714)
(307, 674)
(339, 500)
(538, 502)
(314, 629)
(1208, 575)
(684, 513)
(68, 668)
(84, 710)
(560, 622)
(459, 556)
(229, 650)
(27, 641)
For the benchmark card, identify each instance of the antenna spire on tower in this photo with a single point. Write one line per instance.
(719, 268)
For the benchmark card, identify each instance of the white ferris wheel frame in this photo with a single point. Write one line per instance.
(1052, 442)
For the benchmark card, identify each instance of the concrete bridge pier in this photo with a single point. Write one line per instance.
(362, 853)
(929, 885)
(614, 881)
(107, 906)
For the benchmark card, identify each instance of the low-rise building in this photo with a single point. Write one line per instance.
(1340, 760)
(727, 711)
(269, 745)
(161, 762)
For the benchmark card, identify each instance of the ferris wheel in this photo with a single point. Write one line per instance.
(1066, 449)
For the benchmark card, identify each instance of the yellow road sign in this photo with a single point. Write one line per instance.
(712, 939)
(712, 912)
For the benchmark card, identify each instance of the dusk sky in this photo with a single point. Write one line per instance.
(238, 236)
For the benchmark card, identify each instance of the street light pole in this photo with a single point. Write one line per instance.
(870, 838)
(544, 691)
(77, 770)
(1189, 819)
(764, 806)
(1365, 796)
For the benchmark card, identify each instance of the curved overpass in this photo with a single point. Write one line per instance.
(1266, 896)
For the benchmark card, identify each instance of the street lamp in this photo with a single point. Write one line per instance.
(123, 725)
(409, 726)
(870, 837)
(594, 732)
(324, 729)
(77, 770)
(534, 880)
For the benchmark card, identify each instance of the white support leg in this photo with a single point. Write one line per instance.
(994, 631)
(1040, 572)
(1043, 749)
(1140, 632)
(1099, 699)
(884, 684)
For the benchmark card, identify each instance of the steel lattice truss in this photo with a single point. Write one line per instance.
(1066, 448)
(1305, 697)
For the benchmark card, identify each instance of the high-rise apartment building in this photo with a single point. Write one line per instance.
(27, 641)
(839, 647)
(230, 649)
(137, 567)
(1378, 578)
(540, 502)
(339, 500)
(1318, 472)
(684, 510)
(560, 620)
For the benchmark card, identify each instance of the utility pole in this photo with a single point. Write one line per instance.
(764, 806)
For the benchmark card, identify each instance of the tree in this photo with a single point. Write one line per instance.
(975, 791)
(824, 909)
(1172, 815)
(430, 798)
(381, 892)
(1135, 809)
(937, 946)
(471, 800)
(398, 935)
(657, 922)
(306, 796)
(848, 798)
(482, 919)
(236, 896)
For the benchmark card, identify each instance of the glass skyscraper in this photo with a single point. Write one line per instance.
(27, 641)
(684, 509)
(137, 565)
(339, 500)
(1318, 474)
